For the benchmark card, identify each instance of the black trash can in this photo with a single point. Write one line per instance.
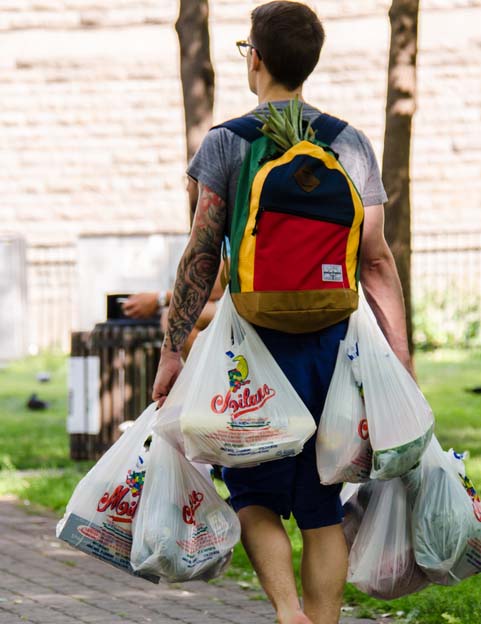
(112, 372)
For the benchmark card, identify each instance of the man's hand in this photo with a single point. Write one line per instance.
(168, 370)
(141, 305)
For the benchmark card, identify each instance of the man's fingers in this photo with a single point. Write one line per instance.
(163, 382)
(160, 402)
(159, 397)
(159, 392)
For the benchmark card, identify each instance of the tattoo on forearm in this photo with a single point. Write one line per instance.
(197, 269)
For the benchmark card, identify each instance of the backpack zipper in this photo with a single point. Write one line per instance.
(295, 213)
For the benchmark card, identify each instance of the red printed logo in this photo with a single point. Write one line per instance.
(363, 430)
(188, 511)
(124, 510)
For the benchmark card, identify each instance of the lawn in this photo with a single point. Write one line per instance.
(36, 441)
(33, 440)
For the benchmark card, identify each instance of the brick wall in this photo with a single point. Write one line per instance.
(92, 130)
(91, 119)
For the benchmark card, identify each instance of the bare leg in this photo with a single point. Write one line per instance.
(323, 573)
(269, 550)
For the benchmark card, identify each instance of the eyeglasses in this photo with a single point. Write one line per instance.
(243, 47)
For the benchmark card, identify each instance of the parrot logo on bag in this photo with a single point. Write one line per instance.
(240, 402)
(135, 481)
(238, 375)
(474, 496)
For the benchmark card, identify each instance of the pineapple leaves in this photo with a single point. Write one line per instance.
(285, 128)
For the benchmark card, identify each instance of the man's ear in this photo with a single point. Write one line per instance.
(255, 60)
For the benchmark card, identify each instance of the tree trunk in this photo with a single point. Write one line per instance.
(400, 107)
(196, 71)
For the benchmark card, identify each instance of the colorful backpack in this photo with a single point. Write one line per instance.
(295, 232)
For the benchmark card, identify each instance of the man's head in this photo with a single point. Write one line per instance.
(288, 36)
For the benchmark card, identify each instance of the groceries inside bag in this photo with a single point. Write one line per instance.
(99, 514)
(399, 418)
(232, 405)
(377, 526)
(343, 449)
(446, 518)
(183, 530)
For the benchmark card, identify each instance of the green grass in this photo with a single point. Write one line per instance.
(38, 441)
(46, 489)
(444, 377)
(34, 439)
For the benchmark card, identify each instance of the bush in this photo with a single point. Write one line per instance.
(447, 319)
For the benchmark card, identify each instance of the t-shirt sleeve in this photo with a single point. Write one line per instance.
(211, 165)
(373, 191)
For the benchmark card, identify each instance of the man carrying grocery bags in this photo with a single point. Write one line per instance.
(299, 195)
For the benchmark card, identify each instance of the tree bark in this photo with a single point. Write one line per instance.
(196, 71)
(400, 108)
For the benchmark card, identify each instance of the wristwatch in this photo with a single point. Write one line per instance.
(162, 299)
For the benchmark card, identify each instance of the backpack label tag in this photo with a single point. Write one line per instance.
(332, 273)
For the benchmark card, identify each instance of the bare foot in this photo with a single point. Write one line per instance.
(301, 618)
(294, 618)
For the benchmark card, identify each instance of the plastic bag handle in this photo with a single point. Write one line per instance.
(225, 275)
(238, 331)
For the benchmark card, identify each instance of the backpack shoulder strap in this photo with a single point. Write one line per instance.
(327, 127)
(246, 127)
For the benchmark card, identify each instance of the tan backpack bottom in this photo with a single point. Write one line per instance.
(296, 312)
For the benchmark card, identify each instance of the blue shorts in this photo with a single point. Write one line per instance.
(292, 485)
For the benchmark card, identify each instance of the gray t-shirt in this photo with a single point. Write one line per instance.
(218, 161)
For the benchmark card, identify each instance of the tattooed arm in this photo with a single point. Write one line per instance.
(196, 275)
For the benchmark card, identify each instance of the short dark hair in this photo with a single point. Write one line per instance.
(289, 37)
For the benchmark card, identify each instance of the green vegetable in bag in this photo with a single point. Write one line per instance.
(390, 463)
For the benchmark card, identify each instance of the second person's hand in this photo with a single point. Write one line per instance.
(141, 305)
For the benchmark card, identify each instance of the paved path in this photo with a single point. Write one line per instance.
(44, 581)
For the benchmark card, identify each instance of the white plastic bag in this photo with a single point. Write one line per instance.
(354, 500)
(381, 559)
(98, 518)
(399, 418)
(343, 449)
(232, 405)
(446, 519)
(183, 529)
